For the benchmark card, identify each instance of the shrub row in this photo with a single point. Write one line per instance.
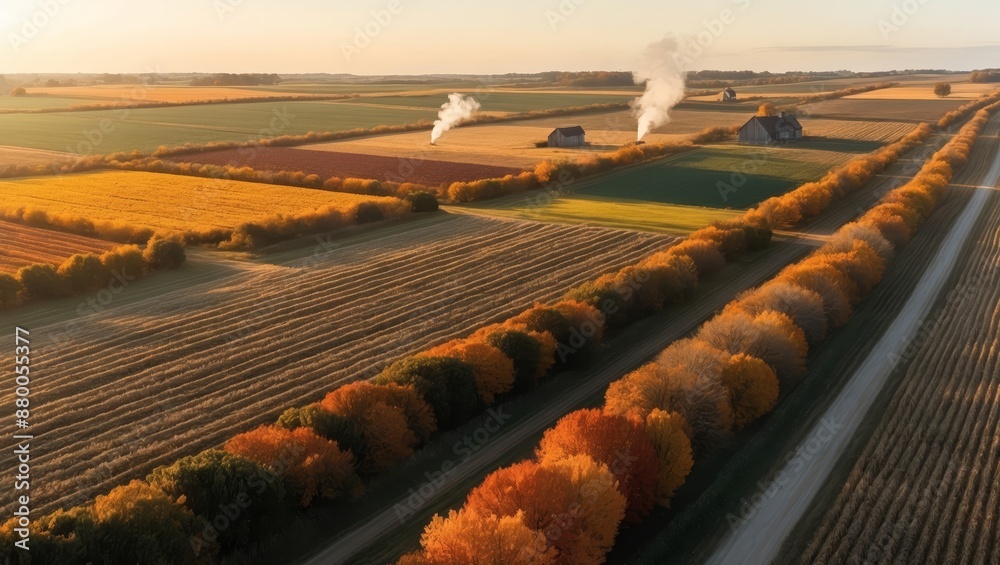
(641, 446)
(964, 110)
(89, 272)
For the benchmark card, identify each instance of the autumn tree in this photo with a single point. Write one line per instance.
(447, 384)
(392, 420)
(613, 440)
(766, 109)
(311, 465)
(327, 424)
(138, 523)
(494, 371)
(862, 265)
(215, 483)
(84, 272)
(666, 431)
(467, 537)
(523, 350)
(10, 287)
(586, 331)
(673, 276)
(804, 307)
(541, 318)
(164, 253)
(41, 281)
(603, 298)
(127, 261)
(844, 239)
(833, 286)
(574, 501)
(700, 398)
(942, 89)
(770, 336)
(753, 387)
(705, 253)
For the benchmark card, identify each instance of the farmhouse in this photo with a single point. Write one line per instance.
(763, 130)
(568, 137)
(728, 95)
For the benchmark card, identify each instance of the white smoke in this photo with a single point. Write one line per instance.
(458, 109)
(661, 70)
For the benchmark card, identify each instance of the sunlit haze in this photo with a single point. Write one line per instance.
(448, 36)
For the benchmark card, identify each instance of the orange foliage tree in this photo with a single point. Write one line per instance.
(804, 307)
(467, 537)
(771, 336)
(613, 440)
(753, 387)
(312, 466)
(574, 501)
(494, 371)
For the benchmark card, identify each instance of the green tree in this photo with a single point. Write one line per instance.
(524, 350)
(446, 383)
(327, 424)
(234, 498)
(10, 287)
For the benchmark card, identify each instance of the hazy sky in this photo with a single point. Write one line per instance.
(472, 36)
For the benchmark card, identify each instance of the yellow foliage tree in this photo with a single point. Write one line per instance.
(666, 430)
(493, 370)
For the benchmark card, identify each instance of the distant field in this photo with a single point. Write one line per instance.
(164, 202)
(859, 130)
(612, 213)
(912, 111)
(966, 91)
(717, 176)
(405, 168)
(110, 94)
(365, 88)
(497, 101)
(25, 245)
(147, 129)
(20, 156)
(50, 101)
(513, 143)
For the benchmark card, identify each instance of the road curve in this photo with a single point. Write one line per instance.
(758, 538)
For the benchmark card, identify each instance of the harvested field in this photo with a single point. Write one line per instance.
(924, 488)
(31, 157)
(512, 144)
(196, 365)
(509, 101)
(25, 245)
(881, 131)
(912, 111)
(959, 91)
(164, 202)
(118, 93)
(414, 167)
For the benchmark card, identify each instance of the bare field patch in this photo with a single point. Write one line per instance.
(26, 245)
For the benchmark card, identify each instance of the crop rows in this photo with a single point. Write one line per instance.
(25, 245)
(200, 364)
(924, 488)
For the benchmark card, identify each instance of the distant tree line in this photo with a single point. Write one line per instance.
(985, 75)
(244, 79)
(589, 78)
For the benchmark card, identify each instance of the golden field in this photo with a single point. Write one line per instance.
(26, 245)
(111, 94)
(164, 202)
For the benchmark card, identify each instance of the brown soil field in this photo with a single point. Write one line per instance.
(25, 245)
(924, 489)
(31, 157)
(196, 365)
(404, 168)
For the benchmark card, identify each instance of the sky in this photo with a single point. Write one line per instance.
(378, 37)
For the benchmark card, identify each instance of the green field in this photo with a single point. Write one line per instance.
(719, 176)
(32, 102)
(494, 101)
(613, 213)
(147, 129)
(361, 88)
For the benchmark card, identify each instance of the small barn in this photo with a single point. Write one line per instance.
(728, 95)
(763, 130)
(568, 137)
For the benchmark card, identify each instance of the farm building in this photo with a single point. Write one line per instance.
(763, 130)
(568, 137)
(728, 95)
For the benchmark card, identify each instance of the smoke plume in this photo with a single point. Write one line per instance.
(458, 109)
(661, 70)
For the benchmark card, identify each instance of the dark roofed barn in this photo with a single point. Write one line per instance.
(568, 137)
(762, 130)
